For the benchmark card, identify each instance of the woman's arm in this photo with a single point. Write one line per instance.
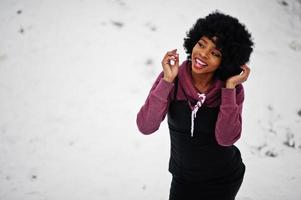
(229, 123)
(155, 107)
(228, 126)
(154, 110)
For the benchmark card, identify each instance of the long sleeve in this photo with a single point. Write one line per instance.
(229, 122)
(154, 110)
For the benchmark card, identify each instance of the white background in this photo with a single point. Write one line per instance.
(74, 74)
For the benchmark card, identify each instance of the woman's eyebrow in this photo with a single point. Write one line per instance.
(218, 49)
(203, 40)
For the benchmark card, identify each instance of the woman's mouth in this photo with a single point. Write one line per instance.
(199, 63)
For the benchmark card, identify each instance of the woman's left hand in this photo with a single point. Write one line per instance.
(238, 79)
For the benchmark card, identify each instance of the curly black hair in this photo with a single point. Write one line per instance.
(233, 39)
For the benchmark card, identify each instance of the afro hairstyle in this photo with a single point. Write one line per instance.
(233, 40)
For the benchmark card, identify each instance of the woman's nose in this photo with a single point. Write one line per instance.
(204, 53)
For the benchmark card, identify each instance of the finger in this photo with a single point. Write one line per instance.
(172, 60)
(245, 75)
(177, 60)
(245, 67)
(169, 62)
(172, 54)
(166, 58)
(174, 51)
(246, 70)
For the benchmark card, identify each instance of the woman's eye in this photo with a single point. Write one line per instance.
(216, 54)
(201, 45)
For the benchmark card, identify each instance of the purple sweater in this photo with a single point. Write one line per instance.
(230, 101)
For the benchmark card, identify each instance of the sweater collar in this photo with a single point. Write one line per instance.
(186, 82)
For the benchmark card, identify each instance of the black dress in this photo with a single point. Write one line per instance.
(201, 168)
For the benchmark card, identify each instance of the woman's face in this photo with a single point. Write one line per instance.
(206, 58)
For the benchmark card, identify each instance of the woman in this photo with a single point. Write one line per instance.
(203, 100)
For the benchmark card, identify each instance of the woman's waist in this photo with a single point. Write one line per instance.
(204, 161)
(210, 153)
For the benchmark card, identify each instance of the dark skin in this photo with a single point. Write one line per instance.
(206, 59)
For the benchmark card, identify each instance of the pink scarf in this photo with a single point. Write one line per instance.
(185, 83)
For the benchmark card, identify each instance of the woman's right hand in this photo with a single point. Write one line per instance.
(170, 64)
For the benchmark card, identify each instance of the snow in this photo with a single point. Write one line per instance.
(73, 75)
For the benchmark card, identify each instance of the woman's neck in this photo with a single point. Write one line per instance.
(202, 81)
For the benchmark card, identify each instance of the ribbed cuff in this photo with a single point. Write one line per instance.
(228, 97)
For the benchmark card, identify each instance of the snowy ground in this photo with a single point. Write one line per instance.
(73, 75)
